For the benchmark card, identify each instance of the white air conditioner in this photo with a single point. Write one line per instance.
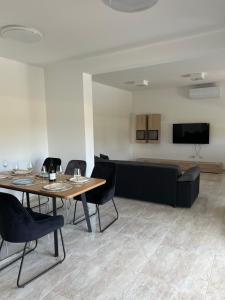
(205, 92)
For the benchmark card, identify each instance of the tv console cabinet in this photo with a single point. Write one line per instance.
(205, 167)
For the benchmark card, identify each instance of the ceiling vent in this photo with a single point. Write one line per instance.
(21, 33)
(204, 92)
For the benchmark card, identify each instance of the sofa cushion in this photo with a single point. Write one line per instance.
(141, 163)
(104, 156)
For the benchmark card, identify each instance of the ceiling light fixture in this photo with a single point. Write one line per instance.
(140, 83)
(130, 5)
(129, 82)
(21, 33)
(143, 83)
(195, 76)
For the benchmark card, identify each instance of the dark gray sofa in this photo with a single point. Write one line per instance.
(158, 183)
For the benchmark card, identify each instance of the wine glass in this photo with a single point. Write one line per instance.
(77, 174)
(16, 166)
(59, 171)
(44, 172)
(5, 164)
(30, 166)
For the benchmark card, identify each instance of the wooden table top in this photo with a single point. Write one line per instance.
(39, 183)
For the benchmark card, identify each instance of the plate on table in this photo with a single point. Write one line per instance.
(57, 187)
(23, 181)
(82, 179)
(3, 176)
(21, 171)
(43, 175)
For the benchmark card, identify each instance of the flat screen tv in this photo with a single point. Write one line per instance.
(191, 133)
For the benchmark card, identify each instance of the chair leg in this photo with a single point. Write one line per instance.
(22, 198)
(6, 246)
(70, 203)
(17, 258)
(57, 207)
(81, 219)
(39, 202)
(2, 242)
(74, 214)
(42, 272)
(66, 206)
(99, 218)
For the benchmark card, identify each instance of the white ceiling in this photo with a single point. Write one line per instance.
(76, 28)
(168, 75)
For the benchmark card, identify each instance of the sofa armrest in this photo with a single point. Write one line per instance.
(188, 187)
(190, 175)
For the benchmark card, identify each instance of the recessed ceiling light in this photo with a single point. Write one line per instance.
(130, 5)
(21, 33)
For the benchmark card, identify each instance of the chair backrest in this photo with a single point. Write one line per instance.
(104, 170)
(104, 156)
(72, 164)
(14, 219)
(56, 162)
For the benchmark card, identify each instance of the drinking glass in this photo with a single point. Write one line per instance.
(59, 171)
(44, 172)
(77, 174)
(5, 164)
(16, 165)
(30, 166)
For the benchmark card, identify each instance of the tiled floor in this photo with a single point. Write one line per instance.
(152, 252)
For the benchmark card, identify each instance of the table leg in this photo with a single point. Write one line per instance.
(28, 199)
(86, 212)
(56, 246)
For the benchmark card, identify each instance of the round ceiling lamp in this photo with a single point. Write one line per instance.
(130, 6)
(21, 33)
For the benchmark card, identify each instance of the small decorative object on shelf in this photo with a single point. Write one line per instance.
(153, 135)
(140, 135)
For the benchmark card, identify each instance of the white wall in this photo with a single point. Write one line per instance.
(23, 126)
(65, 112)
(112, 109)
(175, 107)
(67, 127)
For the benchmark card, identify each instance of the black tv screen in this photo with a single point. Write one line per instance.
(191, 133)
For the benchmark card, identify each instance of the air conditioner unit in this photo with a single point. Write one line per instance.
(205, 92)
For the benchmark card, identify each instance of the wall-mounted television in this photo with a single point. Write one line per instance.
(191, 133)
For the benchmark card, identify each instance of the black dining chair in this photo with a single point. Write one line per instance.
(22, 225)
(102, 194)
(56, 162)
(104, 156)
(73, 164)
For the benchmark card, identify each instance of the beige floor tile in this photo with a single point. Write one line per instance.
(152, 252)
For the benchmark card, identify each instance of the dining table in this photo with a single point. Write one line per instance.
(39, 186)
